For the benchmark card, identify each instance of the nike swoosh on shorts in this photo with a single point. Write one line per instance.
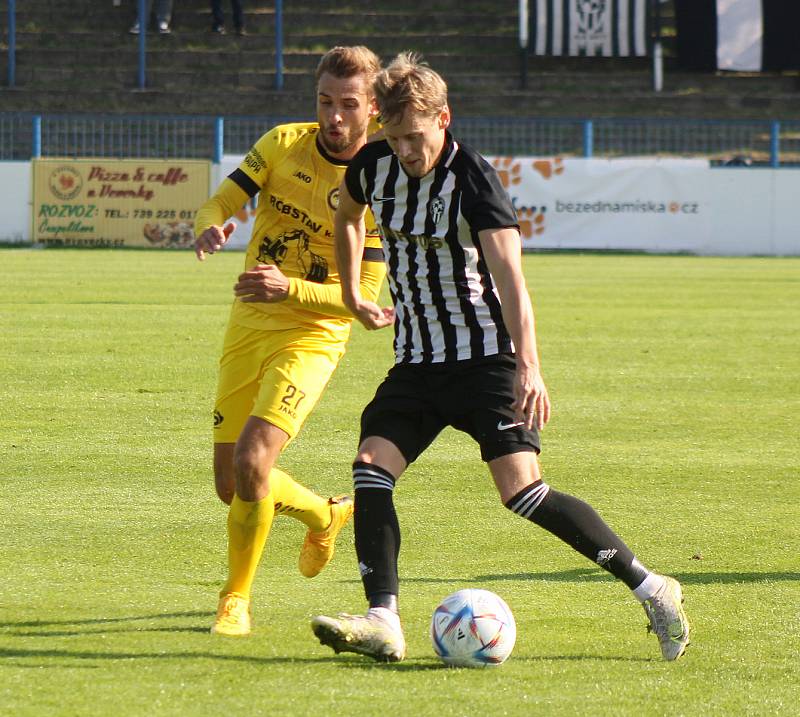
(505, 426)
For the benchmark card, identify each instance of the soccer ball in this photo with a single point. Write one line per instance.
(473, 628)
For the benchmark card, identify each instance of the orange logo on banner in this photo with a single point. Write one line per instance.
(508, 170)
(531, 221)
(549, 167)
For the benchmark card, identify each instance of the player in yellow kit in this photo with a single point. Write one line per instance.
(288, 326)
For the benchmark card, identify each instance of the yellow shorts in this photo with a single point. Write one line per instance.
(276, 375)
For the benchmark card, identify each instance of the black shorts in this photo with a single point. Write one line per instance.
(416, 401)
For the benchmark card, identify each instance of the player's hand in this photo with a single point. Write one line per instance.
(212, 239)
(373, 316)
(264, 284)
(531, 401)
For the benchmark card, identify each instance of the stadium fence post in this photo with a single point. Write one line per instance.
(36, 137)
(12, 43)
(278, 44)
(588, 138)
(142, 32)
(775, 144)
(219, 139)
(523, 44)
(658, 55)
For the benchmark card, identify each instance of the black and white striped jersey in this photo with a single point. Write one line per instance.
(446, 305)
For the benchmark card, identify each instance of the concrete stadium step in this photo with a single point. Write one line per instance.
(159, 101)
(506, 103)
(91, 8)
(666, 104)
(78, 55)
(489, 44)
(358, 21)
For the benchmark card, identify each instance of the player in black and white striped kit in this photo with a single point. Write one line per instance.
(465, 351)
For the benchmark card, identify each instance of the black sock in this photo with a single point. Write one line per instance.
(377, 532)
(578, 525)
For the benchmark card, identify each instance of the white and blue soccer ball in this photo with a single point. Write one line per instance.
(473, 628)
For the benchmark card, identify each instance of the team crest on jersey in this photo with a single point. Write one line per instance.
(436, 209)
(293, 247)
(333, 198)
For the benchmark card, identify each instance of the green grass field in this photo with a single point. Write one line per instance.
(676, 389)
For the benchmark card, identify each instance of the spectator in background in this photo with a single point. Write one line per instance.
(218, 25)
(163, 17)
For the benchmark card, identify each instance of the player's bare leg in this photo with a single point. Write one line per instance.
(224, 473)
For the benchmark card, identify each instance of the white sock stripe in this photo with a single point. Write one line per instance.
(362, 470)
(372, 484)
(364, 478)
(534, 495)
(529, 502)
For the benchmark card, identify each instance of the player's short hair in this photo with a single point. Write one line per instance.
(344, 62)
(409, 82)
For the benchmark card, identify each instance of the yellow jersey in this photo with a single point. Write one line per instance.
(297, 184)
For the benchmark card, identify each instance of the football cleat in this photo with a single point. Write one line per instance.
(233, 616)
(318, 547)
(668, 620)
(364, 634)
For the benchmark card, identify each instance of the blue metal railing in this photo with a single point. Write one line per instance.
(740, 142)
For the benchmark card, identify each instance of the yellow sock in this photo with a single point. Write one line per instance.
(298, 502)
(248, 528)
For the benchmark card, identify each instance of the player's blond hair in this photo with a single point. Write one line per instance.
(345, 62)
(408, 82)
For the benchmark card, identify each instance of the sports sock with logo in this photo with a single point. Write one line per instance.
(298, 502)
(578, 525)
(248, 528)
(377, 532)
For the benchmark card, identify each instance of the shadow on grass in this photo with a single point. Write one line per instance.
(19, 653)
(108, 620)
(434, 581)
(92, 658)
(596, 575)
(102, 631)
(430, 664)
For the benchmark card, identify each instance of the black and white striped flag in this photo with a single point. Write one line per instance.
(739, 35)
(604, 28)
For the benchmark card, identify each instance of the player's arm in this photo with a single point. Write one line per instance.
(502, 250)
(268, 284)
(327, 298)
(350, 231)
(240, 185)
(210, 230)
